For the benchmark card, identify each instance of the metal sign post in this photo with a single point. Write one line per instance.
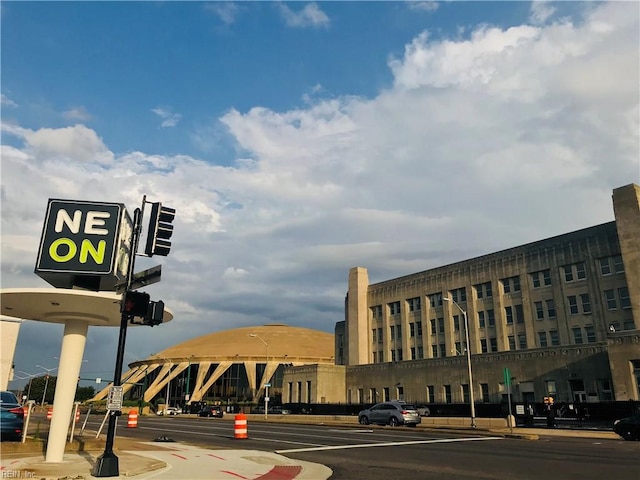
(507, 383)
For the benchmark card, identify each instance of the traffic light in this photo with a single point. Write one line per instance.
(160, 230)
(136, 304)
(155, 314)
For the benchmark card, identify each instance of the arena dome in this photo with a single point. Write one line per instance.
(231, 365)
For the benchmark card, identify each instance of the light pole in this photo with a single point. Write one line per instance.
(46, 383)
(266, 385)
(466, 331)
(30, 377)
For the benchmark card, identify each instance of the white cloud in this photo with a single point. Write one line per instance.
(227, 11)
(310, 16)
(6, 101)
(169, 119)
(78, 114)
(425, 6)
(540, 12)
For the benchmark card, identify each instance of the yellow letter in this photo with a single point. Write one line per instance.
(87, 249)
(53, 250)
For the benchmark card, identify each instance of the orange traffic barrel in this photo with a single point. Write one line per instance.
(240, 426)
(77, 415)
(25, 409)
(49, 413)
(132, 419)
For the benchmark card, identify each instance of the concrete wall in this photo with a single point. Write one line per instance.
(9, 330)
(314, 384)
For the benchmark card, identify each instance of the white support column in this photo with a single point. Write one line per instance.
(71, 353)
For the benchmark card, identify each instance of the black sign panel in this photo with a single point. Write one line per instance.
(79, 237)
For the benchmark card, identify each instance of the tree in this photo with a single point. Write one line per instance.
(37, 388)
(85, 393)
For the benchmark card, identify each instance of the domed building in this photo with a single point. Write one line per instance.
(229, 366)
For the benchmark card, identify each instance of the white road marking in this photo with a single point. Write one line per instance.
(387, 444)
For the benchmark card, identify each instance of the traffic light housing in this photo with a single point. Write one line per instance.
(136, 304)
(155, 314)
(160, 230)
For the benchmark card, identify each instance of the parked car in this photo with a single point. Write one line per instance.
(211, 411)
(628, 428)
(169, 411)
(390, 413)
(423, 410)
(11, 416)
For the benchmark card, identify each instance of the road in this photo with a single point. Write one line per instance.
(377, 453)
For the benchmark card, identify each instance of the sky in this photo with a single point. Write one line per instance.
(297, 140)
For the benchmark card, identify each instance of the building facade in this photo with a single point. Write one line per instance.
(561, 314)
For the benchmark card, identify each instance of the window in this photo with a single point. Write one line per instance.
(508, 311)
(373, 333)
(465, 393)
(519, 314)
(373, 395)
(375, 357)
(586, 303)
(443, 350)
(623, 294)
(511, 284)
(484, 391)
(433, 326)
(412, 330)
(493, 341)
(399, 355)
(568, 273)
(581, 272)
(413, 353)
(605, 268)
(606, 390)
(431, 394)
(483, 345)
(551, 309)
(618, 265)
(376, 312)
(483, 290)
(610, 298)
(380, 335)
(555, 338)
(419, 325)
(491, 318)
(394, 308)
(441, 325)
(434, 351)
(481, 321)
(577, 335)
(399, 331)
(522, 341)
(458, 348)
(539, 311)
(550, 387)
(591, 333)
(459, 295)
(385, 394)
(420, 353)
(543, 277)
(435, 300)
(512, 342)
(542, 339)
(573, 304)
(447, 394)
(381, 356)
(414, 304)
(392, 330)
(456, 323)
(393, 355)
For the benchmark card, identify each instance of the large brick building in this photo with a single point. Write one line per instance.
(562, 314)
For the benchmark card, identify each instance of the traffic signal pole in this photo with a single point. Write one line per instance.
(107, 464)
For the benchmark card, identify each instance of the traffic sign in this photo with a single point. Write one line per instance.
(267, 384)
(114, 398)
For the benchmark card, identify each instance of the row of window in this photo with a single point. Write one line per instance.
(581, 303)
(542, 278)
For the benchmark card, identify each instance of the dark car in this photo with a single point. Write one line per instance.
(213, 411)
(628, 428)
(390, 413)
(11, 416)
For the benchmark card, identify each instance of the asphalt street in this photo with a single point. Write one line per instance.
(376, 453)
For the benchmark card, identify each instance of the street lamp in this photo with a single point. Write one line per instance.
(266, 385)
(30, 377)
(466, 331)
(46, 383)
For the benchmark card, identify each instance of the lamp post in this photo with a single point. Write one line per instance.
(30, 377)
(466, 331)
(46, 383)
(266, 385)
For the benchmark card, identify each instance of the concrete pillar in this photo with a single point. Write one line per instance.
(358, 317)
(71, 353)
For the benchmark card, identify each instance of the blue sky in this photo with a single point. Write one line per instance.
(297, 140)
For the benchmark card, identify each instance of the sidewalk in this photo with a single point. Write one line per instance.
(178, 461)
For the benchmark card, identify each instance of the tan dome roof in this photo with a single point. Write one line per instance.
(284, 342)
